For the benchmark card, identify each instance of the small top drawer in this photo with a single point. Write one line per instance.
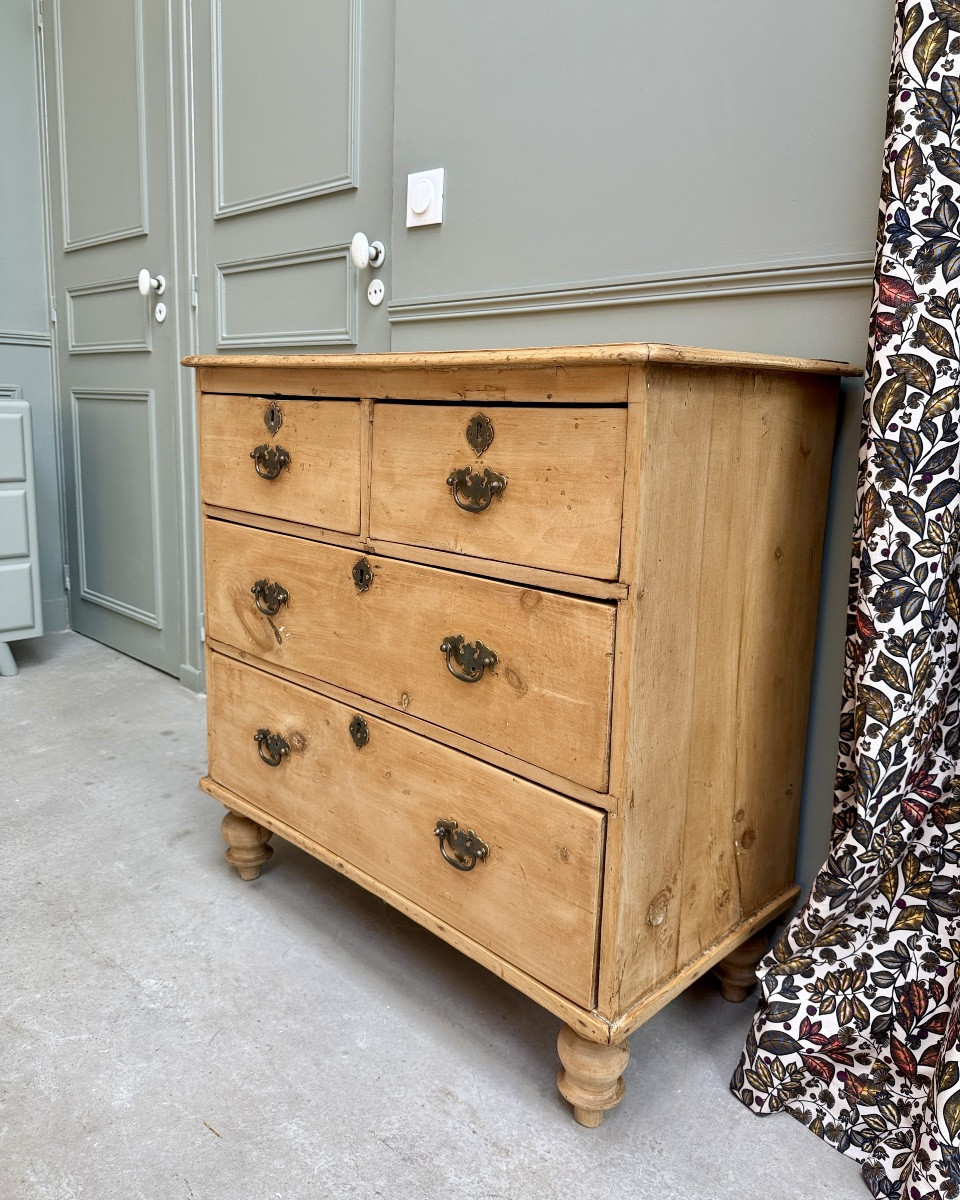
(437, 472)
(294, 459)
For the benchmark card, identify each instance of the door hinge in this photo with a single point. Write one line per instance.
(66, 577)
(39, 14)
(53, 311)
(194, 291)
(203, 627)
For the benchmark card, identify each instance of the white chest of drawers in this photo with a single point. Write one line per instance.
(521, 641)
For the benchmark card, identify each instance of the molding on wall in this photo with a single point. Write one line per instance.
(347, 180)
(343, 335)
(114, 235)
(745, 280)
(145, 396)
(145, 341)
(26, 337)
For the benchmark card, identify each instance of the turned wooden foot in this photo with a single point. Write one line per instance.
(247, 848)
(590, 1078)
(738, 971)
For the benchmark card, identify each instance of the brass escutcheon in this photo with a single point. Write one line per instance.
(471, 657)
(359, 731)
(478, 490)
(362, 574)
(269, 460)
(467, 849)
(273, 418)
(479, 433)
(273, 748)
(269, 597)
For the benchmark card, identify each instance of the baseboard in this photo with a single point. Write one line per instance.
(192, 678)
(56, 615)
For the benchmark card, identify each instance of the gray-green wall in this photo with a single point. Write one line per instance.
(25, 342)
(696, 172)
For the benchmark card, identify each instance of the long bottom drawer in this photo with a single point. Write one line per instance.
(533, 899)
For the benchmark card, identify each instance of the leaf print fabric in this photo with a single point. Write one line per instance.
(857, 1033)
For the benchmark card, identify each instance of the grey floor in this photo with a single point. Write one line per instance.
(170, 1033)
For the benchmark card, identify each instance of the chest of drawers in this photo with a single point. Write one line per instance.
(521, 641)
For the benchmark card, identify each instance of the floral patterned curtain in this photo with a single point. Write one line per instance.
(857, 1033)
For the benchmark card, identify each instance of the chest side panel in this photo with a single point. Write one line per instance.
(732, 500)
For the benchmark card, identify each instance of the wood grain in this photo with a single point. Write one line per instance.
(586, 383)
(448, 737)
(655, 644)
(320, 486)
(611, 354)
(559, 511)
(728, 541)
(535, 900)
(555, 652)
(555, 581)
(585, 1021)
(632, 1016)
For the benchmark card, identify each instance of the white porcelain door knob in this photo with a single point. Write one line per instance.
(366, 254)
(146, 283)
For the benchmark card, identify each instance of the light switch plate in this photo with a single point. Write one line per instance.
(425, 198)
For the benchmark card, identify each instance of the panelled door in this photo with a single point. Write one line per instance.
(109, 95)
(290, 107)
(293, 111)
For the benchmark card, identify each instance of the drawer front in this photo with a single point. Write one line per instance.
(534, 900)
(554, 653)
(319, 485)
(560, 508)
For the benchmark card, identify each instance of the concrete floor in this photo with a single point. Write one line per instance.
(170, 1033)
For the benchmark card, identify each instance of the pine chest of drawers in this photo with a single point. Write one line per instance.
(521, 641)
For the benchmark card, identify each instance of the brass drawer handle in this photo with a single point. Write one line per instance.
(273, 748)
(471, 657)
(269, 597)
(479, 490)
(467, 848)
(269, 460)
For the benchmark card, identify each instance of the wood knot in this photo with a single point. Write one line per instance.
(514, 680)
(404, 701)
(657, 912)
(563, 854)
(747, 838)
(530, 599)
